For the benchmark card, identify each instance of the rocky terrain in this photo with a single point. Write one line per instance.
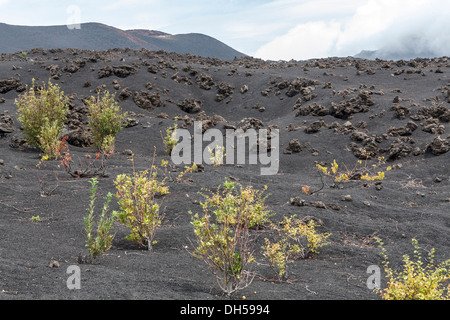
(342, 109)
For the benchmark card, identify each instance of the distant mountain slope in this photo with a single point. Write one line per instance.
(386, 54)
(97, 36)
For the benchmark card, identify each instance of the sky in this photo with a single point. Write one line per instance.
(267, 29)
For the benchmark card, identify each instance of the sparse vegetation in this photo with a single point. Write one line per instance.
(416, 281)
(216, 155)
(87, 166)
(169, 139)
(140, 208)
(295, 240)
(362, 170)
(100, 240)
(233, 202)
(224, 241)
(105, 121)
(42, 112)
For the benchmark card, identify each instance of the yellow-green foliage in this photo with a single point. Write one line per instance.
(98, 241)
(140, 207)
(362, 170)
(169, 139)
(223, 239)
(234, 202)
(105, 121)
(417, 281)
(49, 141)
(217, 155)
(42, 112)
(296, 240)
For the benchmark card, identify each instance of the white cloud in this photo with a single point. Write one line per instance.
(309, 40)
(414, 25)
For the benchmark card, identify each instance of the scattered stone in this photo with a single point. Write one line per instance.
(347, 198)
(130, 122)
(5, 129)
(294, 147)
(297, 201)
(314, 127)
(367, 203)
(224, 90)
(54, 264)
(438, 111)
(407, 130)
(318, 204)
(291, 127)
(313, 109)
(147, 100)
(191, 106)
(204, 81)
(127, 152)
(311, 219)
(400, 111)
(125, 94)
(334, 206)
(119, 71)
(398, 149)
(346, 109)
(432, 125)
(438, 146)
(11, 84)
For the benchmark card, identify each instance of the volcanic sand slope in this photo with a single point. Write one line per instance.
(382, 106)
(98, 36)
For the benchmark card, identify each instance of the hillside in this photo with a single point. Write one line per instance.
(341, 109)
(96, 36)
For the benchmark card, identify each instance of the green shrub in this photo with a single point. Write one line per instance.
(234, 202)
(49, 140)
(223, 236)
(105, 121)
(416, 281)
(296, 239)
(100, 242)
(169, 139)
(42, 112)
(216, 155)
(226, 249)
(362, 170)
(140, 207)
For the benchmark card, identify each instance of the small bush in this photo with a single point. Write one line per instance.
(140, 208)
(233, 202)
(169, 139)
(100, 242)
(42, 112)
(223, 234)
(416, 281)
(86, 166)
(216, 155)
(49, 141)
(105, 121)
(297, 239)
(361, 171)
